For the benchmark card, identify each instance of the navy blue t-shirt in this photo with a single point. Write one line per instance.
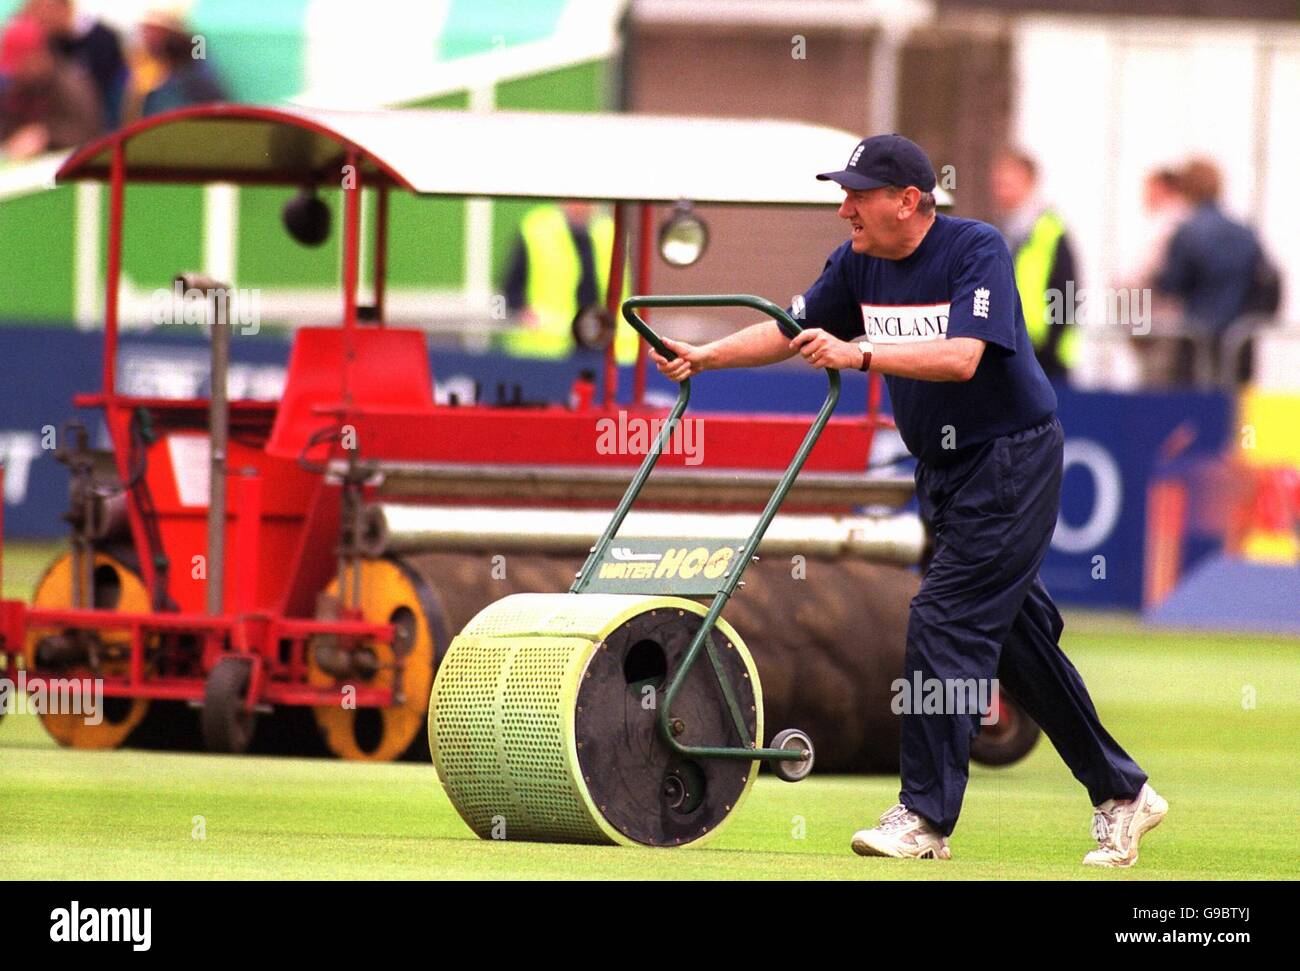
(958, 282)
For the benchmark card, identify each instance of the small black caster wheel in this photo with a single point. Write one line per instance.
(1009, 739)
(791, 770)
(227, 726)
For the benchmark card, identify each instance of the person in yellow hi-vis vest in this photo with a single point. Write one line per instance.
(1044, 262)
(560, 264)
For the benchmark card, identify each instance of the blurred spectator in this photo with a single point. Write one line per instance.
(559, 265)
(48, 102)
(87, 41)
(1210, 263)
(1044, 261)
(1166, 208)
(172, 76)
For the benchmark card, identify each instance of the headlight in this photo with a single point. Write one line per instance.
(307, 218)
(683, 236)
(593, 327)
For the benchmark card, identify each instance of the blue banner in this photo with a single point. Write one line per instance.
(1114, 445)
(1113, 441)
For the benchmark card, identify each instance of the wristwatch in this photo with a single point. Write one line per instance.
(866, 349)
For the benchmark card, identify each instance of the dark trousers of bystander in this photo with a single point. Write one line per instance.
(982, 612)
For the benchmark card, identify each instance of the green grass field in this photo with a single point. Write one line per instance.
(1230, 773)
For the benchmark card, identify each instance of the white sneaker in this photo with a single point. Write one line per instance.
(902, 834)
(1119, 826)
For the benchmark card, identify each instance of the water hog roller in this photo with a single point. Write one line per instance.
(622, 711)
(282, 573)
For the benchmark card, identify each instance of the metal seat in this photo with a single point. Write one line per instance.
(390, 369)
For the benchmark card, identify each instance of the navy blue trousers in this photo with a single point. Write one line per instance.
(982, 612)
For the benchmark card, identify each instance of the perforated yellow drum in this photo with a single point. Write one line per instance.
(542, 721)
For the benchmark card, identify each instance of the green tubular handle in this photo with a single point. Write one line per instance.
(791, 328)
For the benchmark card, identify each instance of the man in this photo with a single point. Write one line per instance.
(82, 38)
(1210, 263)
(936, 297)
(559, 265)
(1044, 260)
(1166, 208)
(47, 103)
(175, 77)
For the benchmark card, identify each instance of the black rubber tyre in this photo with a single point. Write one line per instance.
(1009, 739)
(791, 771)
(226, 725)
(436, 620)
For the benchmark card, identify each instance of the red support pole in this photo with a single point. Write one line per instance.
(872, 420)
(2, 530)
(119, 435)
(645, 257)
(614, 295)
(116, 190)
(351, 236)
(351, 269)
(381, 251)
(248, 535)
(874, 384)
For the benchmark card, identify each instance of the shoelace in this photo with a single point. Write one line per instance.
(1102, 827)
(897, 818)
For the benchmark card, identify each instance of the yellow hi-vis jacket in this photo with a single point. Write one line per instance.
(1034, 261)
(554, 271)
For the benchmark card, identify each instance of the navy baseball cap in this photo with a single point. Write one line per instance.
(885, 160)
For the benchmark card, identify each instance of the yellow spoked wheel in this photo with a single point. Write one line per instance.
(390, 594)
(116, 588)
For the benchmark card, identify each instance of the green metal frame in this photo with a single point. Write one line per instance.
(731, 579)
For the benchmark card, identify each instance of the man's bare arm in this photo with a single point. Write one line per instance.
(754, 346)
(952, 360)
